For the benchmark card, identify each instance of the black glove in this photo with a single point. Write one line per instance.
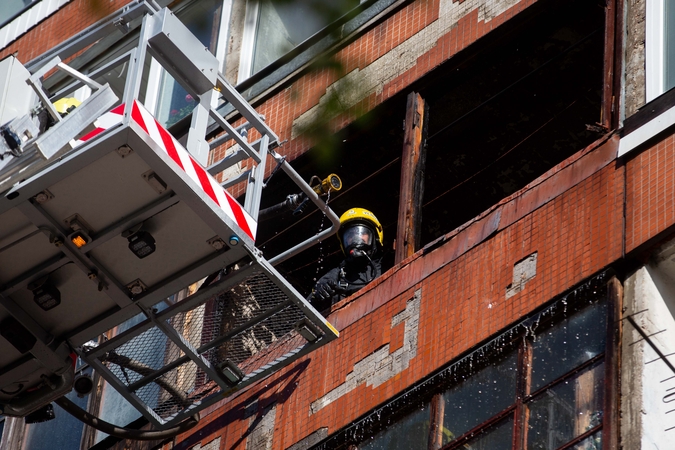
(324, 290)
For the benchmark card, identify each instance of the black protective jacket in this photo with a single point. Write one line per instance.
(342, 281)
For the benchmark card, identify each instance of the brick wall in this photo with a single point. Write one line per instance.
(650, 192)
(438, 304)
(66, 22)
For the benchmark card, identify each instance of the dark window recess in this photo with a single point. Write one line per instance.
(501, 113)
(488, 398)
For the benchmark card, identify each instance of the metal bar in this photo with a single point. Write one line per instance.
(323, 207)
(91, 34)
(256, 320)
(220, 120)
(79, 76)
(34, 82)
(308, 310)
(188, 349)
(132, 86)
(246, 110)
(95, 73)
(44, 221)
(122, 338)
(203, 295)
(248, 380)
(184, 277)
(40, 349)
(228, 161)
(236, 180)
(20, 240)
(61, 134)
(651, 344)
(132, 219)
(136, 385)
(250, 183)
(259, 179)
(124, 392)
(196, 144)
(227, 136)
(36, 272)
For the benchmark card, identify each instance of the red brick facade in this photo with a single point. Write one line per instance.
(650, 192)
(572, 218)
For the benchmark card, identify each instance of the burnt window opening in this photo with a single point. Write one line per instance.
(501, 113)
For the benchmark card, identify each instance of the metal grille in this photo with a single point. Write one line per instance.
(142, 356)
(170, 393)
(255, 339)
(172, 365)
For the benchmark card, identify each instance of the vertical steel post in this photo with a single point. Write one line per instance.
(136, 63)
(254, 191)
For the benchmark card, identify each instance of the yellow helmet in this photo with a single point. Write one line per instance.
(356, 215)
(65, 105)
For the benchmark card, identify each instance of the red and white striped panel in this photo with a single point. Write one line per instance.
(182, 158)
(104, 122)
(193, 169)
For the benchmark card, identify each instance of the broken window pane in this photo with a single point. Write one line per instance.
(593, 442)
(411, 433)
(567, 410)
(498, 437)
(484, 394)
(568, 344)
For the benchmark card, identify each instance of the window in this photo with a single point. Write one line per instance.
(660, 47)
(169, 100)
(9, 9)
(544, 392)
(274, 27)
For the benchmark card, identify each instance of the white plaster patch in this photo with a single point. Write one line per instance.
(359, 84)
(381, 366)
(262, 436)
(213, 445)
(523, 271)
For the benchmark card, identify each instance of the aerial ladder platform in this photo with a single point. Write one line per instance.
(106, 218)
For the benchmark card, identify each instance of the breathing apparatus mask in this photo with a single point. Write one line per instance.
(357, 240)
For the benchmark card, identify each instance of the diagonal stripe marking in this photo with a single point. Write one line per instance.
(168, 144)
(239, 215)
(204, 181)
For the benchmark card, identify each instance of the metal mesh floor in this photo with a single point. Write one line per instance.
(185, 356)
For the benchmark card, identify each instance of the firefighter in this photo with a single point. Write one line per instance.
(361, 240)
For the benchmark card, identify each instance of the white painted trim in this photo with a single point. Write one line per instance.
(31, 17)
(221, 45)
(654, 48)
(152, 89)
(248, 40)
(647, 131)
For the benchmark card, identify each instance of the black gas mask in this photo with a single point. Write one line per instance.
(357, 241)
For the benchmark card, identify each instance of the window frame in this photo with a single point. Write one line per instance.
(654, 49)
